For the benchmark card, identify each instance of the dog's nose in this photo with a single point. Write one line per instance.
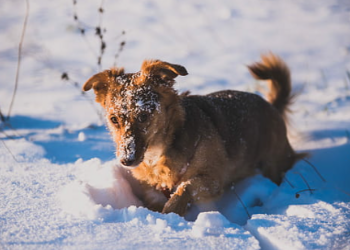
(127, 162)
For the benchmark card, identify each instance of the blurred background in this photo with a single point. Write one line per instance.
(62, 43)
(214, 40)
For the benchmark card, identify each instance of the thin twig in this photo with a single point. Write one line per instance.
(7, 135)
(99, 32)
(297, 194)
(290, 184)
(239, 199)
(19, 58)
(9, 150)
(116, 56)
(307, 184)
(315, 169)
(347, 80)
(101, 10)
(82, 28)
(2, 118)
(341, 190)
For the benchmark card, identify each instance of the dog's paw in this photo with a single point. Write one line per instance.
(177, 204)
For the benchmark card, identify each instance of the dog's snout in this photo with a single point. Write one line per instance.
(127, 151)
(127, 162)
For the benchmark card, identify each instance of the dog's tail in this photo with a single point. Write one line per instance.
(275, 70)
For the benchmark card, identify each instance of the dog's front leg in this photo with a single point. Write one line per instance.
(196, 190)
(179, 201)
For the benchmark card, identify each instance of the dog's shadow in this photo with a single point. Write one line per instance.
(322, 177)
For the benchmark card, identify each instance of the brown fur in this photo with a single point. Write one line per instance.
(273, 69)
(195, 147)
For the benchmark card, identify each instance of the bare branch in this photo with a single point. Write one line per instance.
(8, 149)
(121, 47)
(239, 199)
(2, 118)
(19, 58)
(315, 169)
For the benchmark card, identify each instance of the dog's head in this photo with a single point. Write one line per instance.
(140, 107)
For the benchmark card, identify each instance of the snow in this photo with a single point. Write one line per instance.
(60, 184)
(315, 226)
(99, 189)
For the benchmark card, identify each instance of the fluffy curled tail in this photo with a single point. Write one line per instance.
(275, 70)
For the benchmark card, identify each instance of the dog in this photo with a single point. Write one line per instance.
(188, 149)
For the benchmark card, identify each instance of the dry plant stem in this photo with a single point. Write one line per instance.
(347, 80)
(19, 58)
(121, 47)
(315, 169)
(99, 33)
(307, 184)
(7, 148)
(239, 199)
(290, 184)
(82, 26)
(7, 135)
(297, 194)
(2, 118)
(101, 12)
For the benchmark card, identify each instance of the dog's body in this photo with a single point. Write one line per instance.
(188, 149)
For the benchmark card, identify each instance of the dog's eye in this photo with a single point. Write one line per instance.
(142, 118)
(114, 120)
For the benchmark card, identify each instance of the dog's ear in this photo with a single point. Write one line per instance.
(100, 83)
(164, 70)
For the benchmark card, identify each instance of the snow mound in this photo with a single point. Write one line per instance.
(214, 224)
(316, 226)
(211, 223)
(97, 191)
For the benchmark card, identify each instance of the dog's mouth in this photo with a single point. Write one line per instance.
(132, 161)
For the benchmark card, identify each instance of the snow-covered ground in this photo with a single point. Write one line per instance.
(60, 186)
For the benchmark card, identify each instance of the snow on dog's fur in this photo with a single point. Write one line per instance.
(186, 149)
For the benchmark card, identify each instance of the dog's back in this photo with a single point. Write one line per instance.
(253, 130)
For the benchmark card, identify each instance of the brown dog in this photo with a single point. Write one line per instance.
(188, 149)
